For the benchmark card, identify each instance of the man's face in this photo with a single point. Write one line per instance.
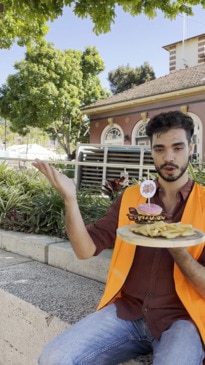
(170, 152)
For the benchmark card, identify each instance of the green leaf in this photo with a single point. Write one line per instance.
(52, 86)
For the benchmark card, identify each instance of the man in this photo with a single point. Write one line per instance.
(154, 298)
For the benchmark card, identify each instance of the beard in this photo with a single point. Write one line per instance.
(176, 176)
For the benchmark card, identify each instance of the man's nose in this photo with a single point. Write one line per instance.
(169, 156)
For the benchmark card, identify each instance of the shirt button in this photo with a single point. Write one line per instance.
(146, 309)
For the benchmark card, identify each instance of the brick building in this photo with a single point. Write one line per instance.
(121, 118)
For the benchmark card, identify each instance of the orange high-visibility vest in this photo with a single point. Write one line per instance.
(123, 254)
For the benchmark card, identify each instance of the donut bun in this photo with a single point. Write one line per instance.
(149, 209)
(146, 213)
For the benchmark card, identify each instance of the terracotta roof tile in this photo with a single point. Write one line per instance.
(178, 80)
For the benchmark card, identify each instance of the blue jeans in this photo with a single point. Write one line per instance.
(104, 339)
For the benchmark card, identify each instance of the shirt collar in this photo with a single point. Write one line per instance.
(184, 191)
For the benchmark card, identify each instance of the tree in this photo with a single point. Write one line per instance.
(48, 90)
(25, 20)
(17, 23)
(126, 77)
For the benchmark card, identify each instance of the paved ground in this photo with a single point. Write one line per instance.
(51, 289)
(39, 300)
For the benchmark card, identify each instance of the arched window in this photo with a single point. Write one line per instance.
(112, 135)
(139, 136)
(197, 138)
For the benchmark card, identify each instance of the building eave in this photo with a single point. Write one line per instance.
(144, 100)
(168, 46)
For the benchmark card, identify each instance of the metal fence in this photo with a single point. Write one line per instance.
(94, 164)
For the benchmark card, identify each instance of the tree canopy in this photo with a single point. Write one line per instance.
(49, 89)
(126, 77)
(25, 20)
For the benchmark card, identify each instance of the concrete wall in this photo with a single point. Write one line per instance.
(43, 290)
(24, 329)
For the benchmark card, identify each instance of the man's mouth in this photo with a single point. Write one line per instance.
(169, 169)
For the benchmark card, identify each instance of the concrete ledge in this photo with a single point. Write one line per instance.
(44, 288)
(24, 328)
(55, 252)
(33, 246)
(37, 302)
(61, 255)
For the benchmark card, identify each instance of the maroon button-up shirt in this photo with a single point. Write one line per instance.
(149, 289)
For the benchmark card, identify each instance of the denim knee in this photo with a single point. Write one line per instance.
(50, 356)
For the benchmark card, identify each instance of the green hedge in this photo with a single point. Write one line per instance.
(29, 204)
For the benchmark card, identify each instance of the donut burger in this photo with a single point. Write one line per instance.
(146, 213)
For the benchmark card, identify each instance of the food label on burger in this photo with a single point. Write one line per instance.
(148, 188)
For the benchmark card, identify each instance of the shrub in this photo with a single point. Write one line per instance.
(197, 173)
(29, 204)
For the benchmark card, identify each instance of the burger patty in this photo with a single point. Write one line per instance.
(140, 218)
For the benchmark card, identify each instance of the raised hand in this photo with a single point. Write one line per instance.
(64, 185)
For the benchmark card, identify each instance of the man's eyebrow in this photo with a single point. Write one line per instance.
(157, 145)
(177, 144)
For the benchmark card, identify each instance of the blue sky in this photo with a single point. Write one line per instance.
(132, 40)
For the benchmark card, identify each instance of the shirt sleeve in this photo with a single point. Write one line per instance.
(201, 259)
(103, 232)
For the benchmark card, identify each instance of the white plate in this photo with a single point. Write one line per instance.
(137, 239)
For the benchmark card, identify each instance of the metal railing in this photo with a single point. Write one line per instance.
(94, 164)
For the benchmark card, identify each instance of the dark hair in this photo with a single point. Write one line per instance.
(163, 122)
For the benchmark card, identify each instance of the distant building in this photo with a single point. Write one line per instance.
(188, 53)
(31, 151)
(121, 118)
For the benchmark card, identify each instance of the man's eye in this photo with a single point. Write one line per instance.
(158, 150)
(178, 148)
